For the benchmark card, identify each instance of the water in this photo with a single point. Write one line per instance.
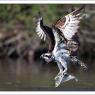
(28, 75)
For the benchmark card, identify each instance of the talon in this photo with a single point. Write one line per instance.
(60, 73)
(84, 66)
(69, 77)
(58, 79)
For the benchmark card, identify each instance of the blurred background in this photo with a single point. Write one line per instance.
(20, 48)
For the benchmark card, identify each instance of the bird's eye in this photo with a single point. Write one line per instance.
(49, 56)
(46, 55)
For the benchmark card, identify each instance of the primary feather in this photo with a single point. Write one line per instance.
(40, 31)
(45, 32)
(69, 24)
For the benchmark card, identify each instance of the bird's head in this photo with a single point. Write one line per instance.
(47, 57)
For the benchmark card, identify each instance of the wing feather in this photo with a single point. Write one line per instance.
(46, 32)
(40, 32)
(71, 24)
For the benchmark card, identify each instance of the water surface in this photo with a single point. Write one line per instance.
(28, 75)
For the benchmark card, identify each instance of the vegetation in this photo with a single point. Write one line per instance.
(24, 14)
(21, 18)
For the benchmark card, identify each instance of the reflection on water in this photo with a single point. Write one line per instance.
(21, 75)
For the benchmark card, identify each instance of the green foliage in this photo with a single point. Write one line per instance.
(23, 14)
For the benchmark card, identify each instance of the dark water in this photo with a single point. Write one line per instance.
(27, 75)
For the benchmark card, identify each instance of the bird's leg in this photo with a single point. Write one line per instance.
(59, 77)
(74, 59)
(60, 69)
(64, 64)
(67, 77)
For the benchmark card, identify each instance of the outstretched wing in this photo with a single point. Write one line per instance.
(45, 32)
(41, 33)
(69, 24)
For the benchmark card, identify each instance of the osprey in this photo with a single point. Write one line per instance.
(61, 43)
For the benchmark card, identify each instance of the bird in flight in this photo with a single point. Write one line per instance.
(63, 43)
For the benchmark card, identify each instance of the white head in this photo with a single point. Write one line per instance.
(47, 57)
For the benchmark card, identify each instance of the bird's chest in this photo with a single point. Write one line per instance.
(58, 53)
(61, 53)
(58, 47)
